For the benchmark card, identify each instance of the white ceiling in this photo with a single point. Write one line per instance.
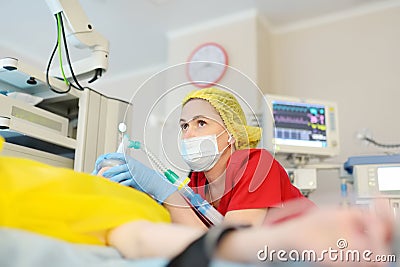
(137, 29)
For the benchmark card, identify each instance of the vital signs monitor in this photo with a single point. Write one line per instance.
(301, 126)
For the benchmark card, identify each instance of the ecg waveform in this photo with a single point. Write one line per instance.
(290, 108)
(290, 119)
(296, 122)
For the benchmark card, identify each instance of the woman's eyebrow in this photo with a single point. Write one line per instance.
(194, 118)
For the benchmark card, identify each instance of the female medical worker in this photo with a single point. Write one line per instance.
(243, 183)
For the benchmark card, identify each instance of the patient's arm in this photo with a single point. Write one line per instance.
(181, 213)
(253, 217)
(319, 231)
(142, 239)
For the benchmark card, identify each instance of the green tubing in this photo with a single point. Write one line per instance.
(171, 176)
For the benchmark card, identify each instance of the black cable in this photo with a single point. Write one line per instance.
(67, 56)
(108, 97)
(97, 74)
(370, 140)
(48, 70)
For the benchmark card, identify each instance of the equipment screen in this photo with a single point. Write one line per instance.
(389, 178)
(299, 124)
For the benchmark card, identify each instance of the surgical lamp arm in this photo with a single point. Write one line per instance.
(80, 32)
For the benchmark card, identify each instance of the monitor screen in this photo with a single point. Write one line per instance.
(299, 126)
(389, 178)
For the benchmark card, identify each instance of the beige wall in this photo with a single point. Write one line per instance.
(264, 54)
(354, 61)
(238, 35)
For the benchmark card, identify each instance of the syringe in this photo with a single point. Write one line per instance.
(201, 205)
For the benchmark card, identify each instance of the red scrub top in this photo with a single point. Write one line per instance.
(254, 179)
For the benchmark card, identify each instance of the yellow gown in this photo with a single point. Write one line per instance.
(65, 204)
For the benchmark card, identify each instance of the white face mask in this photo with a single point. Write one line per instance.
(201, 153)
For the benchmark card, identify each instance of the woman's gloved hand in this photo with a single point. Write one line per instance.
(133, 173)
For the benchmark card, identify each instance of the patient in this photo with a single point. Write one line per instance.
(318, 231)
(86, 209)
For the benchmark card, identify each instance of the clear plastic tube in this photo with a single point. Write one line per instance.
(201, 205)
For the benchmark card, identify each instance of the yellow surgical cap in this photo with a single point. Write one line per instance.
(231, 113)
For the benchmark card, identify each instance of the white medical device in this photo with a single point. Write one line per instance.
(301, 126)
(35, 133)
(377, 180)
(68, 130)
(305, 179)
(376, 177)
(81, 34)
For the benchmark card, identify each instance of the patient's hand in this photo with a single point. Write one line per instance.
(102, 170)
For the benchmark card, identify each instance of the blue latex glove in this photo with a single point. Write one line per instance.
(139, 176)
(96, 165)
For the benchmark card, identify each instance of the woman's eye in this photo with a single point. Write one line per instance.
(184, 126)
(201, 123)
